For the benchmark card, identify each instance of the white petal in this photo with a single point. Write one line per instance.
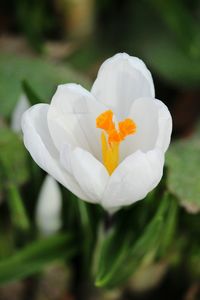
(72, 118)
(39, 143)
(88, 171)
(134, 178)
(21, 106)
(154, 126)
(121, 80)
(144, 113)
(65, 157)
(164, 125)
(49, 206)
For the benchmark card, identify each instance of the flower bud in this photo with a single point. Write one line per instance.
(21, 106)
(48, 210)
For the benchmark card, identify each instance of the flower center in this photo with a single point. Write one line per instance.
(111, 138)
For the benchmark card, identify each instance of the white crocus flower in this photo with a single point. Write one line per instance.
(21, 106)
(49, 206)
(106, 146)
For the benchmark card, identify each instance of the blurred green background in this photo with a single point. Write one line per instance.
(44, 43)
(81, 34)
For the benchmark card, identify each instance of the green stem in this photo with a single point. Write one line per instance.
(17, 210)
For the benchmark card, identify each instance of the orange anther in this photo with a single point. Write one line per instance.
(105, 121)
(127, 127)
(114, 136)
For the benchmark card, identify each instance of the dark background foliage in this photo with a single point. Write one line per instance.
(44, 43)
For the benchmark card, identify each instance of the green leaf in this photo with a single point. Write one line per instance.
(170, 61)
(168, 41)
(120, 256)
(17, 210)
(43, 78)
(181, 22)
(13, 159)
(33, 258)
(170, 228)
(86, 230)
(30, 93)
(183, 160)
(193, 260)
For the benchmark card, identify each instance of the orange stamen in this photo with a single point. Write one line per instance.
(126, 128)
(114, 136)
(105, 121)
(110, 146)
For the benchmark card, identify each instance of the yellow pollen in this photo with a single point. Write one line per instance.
(111, 142)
